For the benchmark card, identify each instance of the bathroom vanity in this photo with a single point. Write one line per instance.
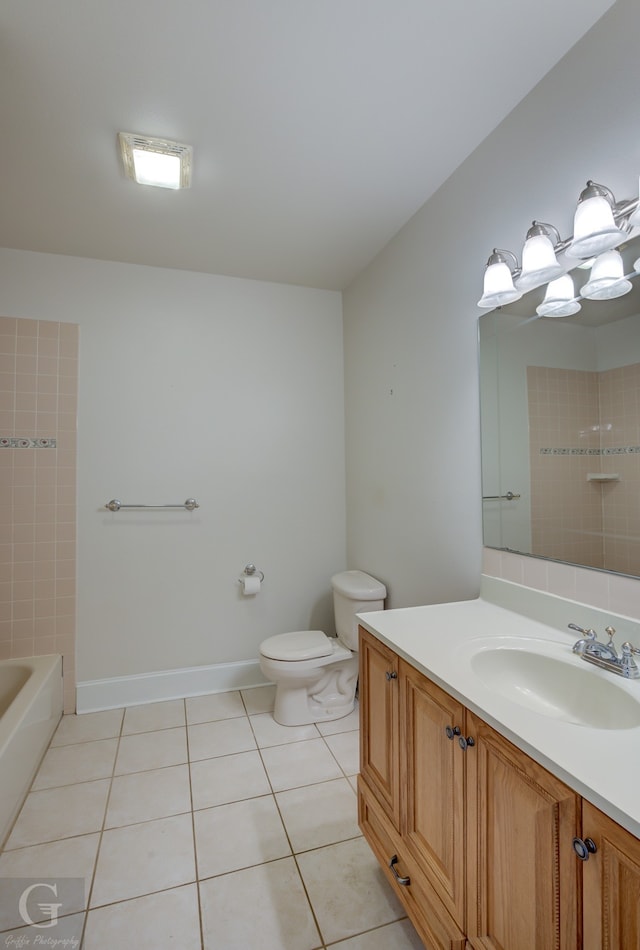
(500, 773)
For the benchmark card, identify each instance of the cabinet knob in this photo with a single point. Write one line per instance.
(405, 881)
(452, 731)
(391, 675)
(583, 848)
(465, 743)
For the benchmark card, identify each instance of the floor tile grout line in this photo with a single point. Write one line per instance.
(194, 841)
(194, 882)
(295, 860)
(102, 829)
(289, 842)
(346, 775)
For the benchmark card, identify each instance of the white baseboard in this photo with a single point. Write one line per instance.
(118, 691)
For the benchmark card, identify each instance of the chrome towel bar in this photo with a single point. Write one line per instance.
(116, 505)
(510, 496)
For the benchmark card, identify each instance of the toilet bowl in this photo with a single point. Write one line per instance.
(316, 675)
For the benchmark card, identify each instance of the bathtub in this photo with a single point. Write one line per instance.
(30, 710)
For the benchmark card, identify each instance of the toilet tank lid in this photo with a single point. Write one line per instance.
(358, 586)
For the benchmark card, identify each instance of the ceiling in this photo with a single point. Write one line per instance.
(319, 127)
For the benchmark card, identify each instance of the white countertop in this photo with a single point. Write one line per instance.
(602, 765)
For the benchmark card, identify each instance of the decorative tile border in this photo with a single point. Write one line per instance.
(621, 450)
(14, 443)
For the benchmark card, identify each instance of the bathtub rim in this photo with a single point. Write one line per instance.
(20, 764)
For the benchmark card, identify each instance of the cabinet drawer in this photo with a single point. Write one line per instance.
(434, 925)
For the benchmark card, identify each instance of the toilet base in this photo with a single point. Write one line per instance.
(298, 710)
(325, 695)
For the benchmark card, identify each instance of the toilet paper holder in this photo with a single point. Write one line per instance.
(250, 570)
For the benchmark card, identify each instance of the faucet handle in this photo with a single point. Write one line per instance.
(589, 634)
(610, 632)
(628, 649)
(629, 665)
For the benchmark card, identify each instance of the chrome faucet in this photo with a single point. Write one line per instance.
(605, 655)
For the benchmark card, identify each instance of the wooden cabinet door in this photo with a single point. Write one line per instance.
(379, 708)
(611, 885)
(522, 873)
(433, 786)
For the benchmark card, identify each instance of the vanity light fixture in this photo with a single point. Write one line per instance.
(560, 299)
(158, 162)
(499, 288)
(607, 279)
(601, 223)
(539, 262)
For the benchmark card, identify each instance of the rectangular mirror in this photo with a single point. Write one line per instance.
(560, 419)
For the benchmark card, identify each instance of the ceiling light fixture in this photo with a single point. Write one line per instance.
(158, 162)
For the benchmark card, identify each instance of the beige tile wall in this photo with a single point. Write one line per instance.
(573, 519)
(566, 509)
(597, 588)
(38, 401)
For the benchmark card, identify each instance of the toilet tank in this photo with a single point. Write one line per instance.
(354, 592)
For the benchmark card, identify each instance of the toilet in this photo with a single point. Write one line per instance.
(316, 675)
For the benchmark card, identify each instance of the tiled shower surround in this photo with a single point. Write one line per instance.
(38, 403)
(583, 428)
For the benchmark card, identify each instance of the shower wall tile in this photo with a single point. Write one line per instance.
(579, 423)
(38, 405)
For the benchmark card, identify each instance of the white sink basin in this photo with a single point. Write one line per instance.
(532, 674)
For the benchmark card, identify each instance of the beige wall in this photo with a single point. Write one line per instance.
(38, 397)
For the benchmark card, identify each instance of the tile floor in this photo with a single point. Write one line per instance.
(204, 825)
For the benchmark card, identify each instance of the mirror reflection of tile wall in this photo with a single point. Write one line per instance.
(38, 410)
(584, 437)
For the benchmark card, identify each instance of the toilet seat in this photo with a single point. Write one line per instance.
(301, 645)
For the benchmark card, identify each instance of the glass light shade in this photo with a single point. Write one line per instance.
(498, 287)
(539, 262)
(594, 229)
(607, 278)
(155, 168)
(559, 300)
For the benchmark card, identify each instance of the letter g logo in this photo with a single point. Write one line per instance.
(46, 908)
